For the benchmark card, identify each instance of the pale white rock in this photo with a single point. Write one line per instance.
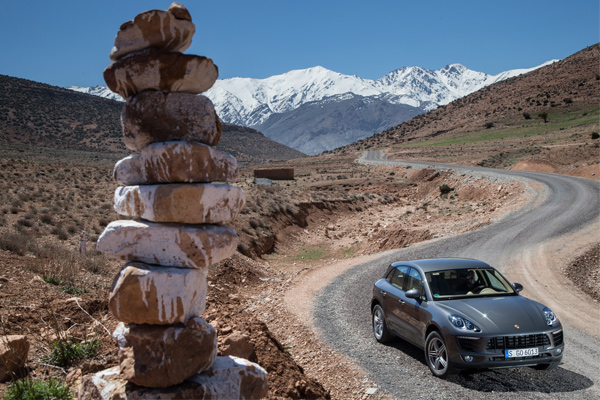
(228, 378)
(153, 69)
(170, 245)
(154, 116)
(146, 294)
(176, 161)
(186, 203)
(165, 355)
(154, 28)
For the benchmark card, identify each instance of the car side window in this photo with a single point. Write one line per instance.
(397, 276)
(415, 281)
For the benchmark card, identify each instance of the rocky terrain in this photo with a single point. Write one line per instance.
(334, 213)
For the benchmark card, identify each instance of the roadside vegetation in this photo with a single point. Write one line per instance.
(559, 120)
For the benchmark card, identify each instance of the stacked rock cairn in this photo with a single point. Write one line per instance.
(178, 228)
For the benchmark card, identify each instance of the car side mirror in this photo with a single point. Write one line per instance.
(413, 294)
(517, 286)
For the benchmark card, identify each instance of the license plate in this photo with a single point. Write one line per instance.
(521, 353)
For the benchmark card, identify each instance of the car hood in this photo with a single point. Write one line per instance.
(500, 315)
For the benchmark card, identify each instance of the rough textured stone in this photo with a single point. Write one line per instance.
(13, 354)
(154, 28)
(187, 203)
(176, 162)
(229, 378)
(152, 69)
(239, 345)
(145, 294)
(160, 356)
(169, 245)
(180, 12)
(154, 116)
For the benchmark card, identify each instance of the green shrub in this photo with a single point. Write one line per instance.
(65, 352)
(526, 115)
(595, 135)
(28, 389)
(445, 189)
(489, 125)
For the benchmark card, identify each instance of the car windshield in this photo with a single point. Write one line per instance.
(463, 283)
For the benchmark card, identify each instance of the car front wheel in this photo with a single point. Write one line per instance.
(436, 354)
(379, 327)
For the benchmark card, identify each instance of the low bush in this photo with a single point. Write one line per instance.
(445, 189)
(28, 389)
(66, 352)
(17, 242)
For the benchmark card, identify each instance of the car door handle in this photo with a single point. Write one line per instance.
(383, 293)
(401, 301)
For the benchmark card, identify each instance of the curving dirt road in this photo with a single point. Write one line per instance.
(529, 246)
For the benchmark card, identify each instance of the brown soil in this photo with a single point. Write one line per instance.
(584, 271)
(301, 234)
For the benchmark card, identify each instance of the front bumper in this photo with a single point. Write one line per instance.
(466, 351)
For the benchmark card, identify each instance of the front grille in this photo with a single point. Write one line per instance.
(557, 337)
(468, 343)
(518, 342)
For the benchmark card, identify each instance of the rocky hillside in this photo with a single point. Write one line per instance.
(36, 114)
(559, 88)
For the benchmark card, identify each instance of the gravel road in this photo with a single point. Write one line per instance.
(562, 208)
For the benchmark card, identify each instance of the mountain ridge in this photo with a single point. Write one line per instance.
(394, 98)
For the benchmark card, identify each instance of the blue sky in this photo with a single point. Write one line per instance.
(66, 42)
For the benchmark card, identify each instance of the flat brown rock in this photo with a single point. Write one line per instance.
(167, 162)
(14, 350)
(187, 203)
(169, 245)
(154, 116)
(228, 378)
(145, 294)
(160, 356)
(152, 69)
(154, 28)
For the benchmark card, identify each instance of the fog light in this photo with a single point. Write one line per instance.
(468, 358)
(558, 352)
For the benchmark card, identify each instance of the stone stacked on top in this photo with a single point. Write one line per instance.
(179, 219)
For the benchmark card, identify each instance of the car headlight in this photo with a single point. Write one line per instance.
(463, 323)
(551, 319)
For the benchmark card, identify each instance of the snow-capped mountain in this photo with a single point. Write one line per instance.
(248, 101)
(263, 103)
(97, 90)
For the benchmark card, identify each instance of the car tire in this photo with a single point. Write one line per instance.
(436, 355)
(380, 330)
(547, 367)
